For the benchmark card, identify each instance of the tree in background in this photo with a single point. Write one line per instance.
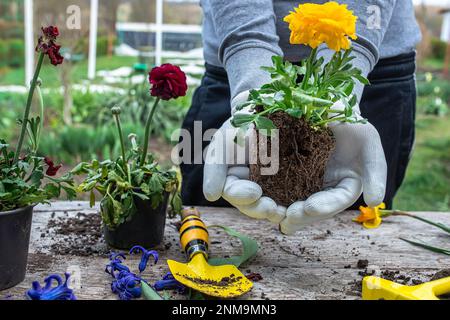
(108, 14)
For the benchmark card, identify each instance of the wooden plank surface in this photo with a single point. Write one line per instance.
(320, 262)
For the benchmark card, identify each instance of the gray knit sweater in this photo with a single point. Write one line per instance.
(243, 35)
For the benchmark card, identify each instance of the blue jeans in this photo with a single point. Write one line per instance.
(389, 103)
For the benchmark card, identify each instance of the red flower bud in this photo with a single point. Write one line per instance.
(52, 170)
(168, 81)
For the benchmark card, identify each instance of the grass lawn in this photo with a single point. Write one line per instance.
(51, 75)
(427, 184)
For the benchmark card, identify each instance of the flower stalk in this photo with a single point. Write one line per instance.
(26, 113)
(147, 131)
(116, 112)
(41, 110)
(309, 63)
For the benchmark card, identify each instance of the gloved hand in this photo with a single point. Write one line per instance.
(357, 165)
(231, 181)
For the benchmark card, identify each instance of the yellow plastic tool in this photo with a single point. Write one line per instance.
(218, 281)
(374, 288)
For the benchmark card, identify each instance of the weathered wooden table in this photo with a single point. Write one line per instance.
(320, 262)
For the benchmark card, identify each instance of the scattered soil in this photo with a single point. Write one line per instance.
(80, 236)
(444, 273)
(255, 277)
(362, 264)
(225, 281)
(303, 155)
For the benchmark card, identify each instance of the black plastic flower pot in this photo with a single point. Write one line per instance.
(145, 228)
(15, 228)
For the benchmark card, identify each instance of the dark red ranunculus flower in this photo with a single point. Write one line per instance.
(54, 55)
(168, 81)
(46, 44)
(52, 169)
(51, 32)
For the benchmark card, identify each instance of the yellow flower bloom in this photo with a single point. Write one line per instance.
(330, 23)
(370, 217)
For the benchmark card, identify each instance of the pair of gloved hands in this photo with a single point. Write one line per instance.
(356, 166)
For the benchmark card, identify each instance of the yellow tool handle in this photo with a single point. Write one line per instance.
(440, 286)
(193, 233)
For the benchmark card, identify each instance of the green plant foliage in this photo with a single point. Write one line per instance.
(12, 52)
(438, 48)
(307, 91)
(434, 95)
(119, 184)
(25, 183)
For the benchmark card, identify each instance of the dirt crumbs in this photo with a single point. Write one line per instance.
(80, 235)
(444, 273)
(255, 277)
(303, 155)
(362, 264)
(224, 282)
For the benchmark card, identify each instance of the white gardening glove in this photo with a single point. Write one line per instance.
(228, 178)
(357, 165)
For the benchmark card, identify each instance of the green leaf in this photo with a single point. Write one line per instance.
(140, 195)
(295, 112)
(263, 123)
(353, 101)
(92, 199)
(428, 247)
(300, 98)
(362, 79)
(155, 184)
(436, 224)
(52, 190)
(176, 203)
(36, 177)
(148, 293)
(240, 119)
(249, 249)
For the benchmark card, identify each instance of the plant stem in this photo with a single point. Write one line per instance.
(28, 106)
(309, 64)
(147, 131)
(323, 122)
(41, 122)
(122, 144)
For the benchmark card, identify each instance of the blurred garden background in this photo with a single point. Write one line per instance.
(78, 121)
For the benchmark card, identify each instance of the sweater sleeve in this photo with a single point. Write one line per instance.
(373, 21)
(248, 40)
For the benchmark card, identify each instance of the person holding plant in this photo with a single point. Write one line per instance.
(369, 158)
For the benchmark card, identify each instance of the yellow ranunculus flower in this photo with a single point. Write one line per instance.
(370, 217)
(330, 23)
